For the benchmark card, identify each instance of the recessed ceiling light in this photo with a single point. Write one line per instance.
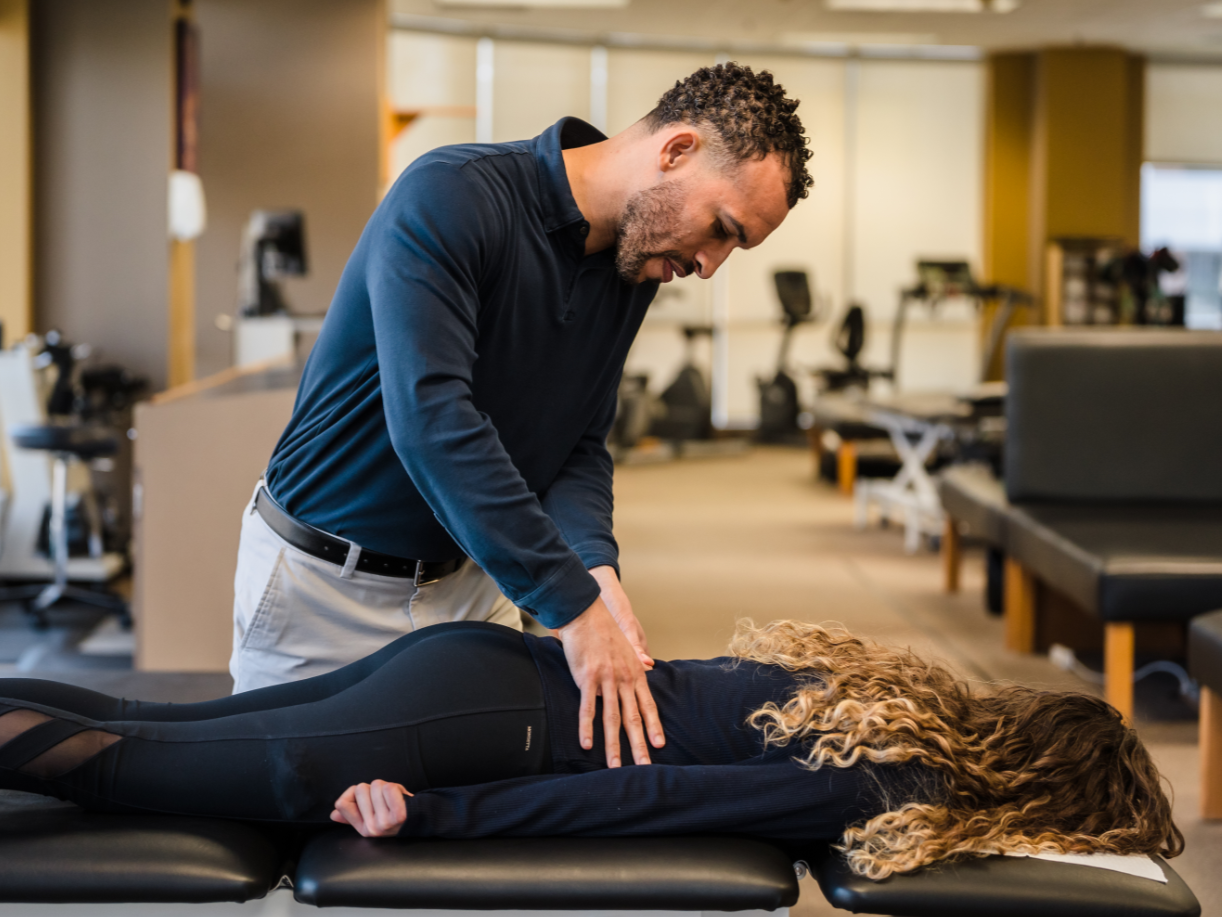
(1212, 10)
(923, 6)
(549, 4)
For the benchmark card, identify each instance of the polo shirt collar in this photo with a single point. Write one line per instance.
(559, 207)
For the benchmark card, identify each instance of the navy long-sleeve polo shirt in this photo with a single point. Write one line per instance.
(460, 393)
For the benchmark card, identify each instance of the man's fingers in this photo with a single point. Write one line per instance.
(611, 722)
(634, 725)
(649, 713)
(585, 715)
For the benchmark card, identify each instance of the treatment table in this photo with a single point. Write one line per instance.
(58, 861)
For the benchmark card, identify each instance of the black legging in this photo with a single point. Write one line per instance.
(449, 705)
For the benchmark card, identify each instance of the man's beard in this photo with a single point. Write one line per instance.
(646, 227)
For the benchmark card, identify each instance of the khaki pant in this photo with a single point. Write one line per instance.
(295, 616)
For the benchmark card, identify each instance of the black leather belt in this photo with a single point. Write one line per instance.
(324, 546)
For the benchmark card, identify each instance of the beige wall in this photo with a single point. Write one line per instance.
(289, 118)
(14, 168)
(1184, 113)
(102, 129)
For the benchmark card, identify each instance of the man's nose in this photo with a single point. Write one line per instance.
(709, 260)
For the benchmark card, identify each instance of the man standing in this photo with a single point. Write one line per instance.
(446, 456)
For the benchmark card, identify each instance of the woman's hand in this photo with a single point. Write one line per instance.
(374, 809)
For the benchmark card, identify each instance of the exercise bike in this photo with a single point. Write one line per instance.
(687, 404)
(779, 402)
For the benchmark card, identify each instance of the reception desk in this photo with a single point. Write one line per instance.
(199, 450)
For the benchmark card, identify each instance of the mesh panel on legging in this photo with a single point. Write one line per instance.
(43, 746)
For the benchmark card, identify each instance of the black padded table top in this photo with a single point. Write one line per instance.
(663, 873)
(85, 442)
(1205, 650)
(973, 495)
(54, 852)
(1002, 886)
(1124, 562)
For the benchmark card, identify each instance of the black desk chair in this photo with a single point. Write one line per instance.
(64, 443)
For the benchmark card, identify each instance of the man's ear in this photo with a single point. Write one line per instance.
(678, 147)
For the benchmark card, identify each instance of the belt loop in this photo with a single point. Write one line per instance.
(354, 554)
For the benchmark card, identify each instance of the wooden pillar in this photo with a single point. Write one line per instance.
(846, 467)
(1009, 123)
(180, 325)
(1211, 754)
(1063, 154)
(181, 368)
(1086, 149)
(16, 246)
(1019, 608)
(1118, 646)
(952, 555)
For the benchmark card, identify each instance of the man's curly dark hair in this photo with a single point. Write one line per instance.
(748, 113)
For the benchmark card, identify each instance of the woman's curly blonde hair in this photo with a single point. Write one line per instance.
(1020, 770)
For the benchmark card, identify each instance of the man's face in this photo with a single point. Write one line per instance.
(689, 223)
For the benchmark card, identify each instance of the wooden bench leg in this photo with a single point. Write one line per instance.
(846, 467)
(814, 435)
(952, 555)
(1211, 754)
(1118, 649)
(1019, 608)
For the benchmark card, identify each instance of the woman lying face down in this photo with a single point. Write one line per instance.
(804, 733)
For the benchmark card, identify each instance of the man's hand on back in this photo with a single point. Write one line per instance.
(604, 663)
(616, 600)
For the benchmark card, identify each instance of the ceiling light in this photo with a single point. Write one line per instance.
(855, 39)
(548, 4)
(923, 6)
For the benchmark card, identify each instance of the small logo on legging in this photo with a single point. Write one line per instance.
(528, 738)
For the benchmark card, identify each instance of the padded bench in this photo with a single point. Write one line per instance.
(1112, 462)
(1205, 665)
(54, 852)
(975, 504)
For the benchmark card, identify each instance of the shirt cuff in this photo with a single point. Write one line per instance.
(564, 596)
(596, 554)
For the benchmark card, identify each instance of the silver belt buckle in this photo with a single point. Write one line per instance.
(417, 580)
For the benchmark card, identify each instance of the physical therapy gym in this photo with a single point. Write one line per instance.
(610, 458)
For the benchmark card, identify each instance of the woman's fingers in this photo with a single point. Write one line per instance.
(364, 802)
(389, 811)
(349, 812)
(374, 810)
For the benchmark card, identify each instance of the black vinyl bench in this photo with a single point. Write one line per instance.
(1205, 665)
(53, 852)
(1112, 458)
(975, 504)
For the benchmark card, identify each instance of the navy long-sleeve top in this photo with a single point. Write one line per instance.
(459, 395)
(713, 775)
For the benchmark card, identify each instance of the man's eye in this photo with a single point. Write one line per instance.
(720, 231)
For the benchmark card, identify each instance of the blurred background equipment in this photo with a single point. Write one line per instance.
(686, 404)
(265, 328)
(779, 405)
(273, 247)
(67, 458)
